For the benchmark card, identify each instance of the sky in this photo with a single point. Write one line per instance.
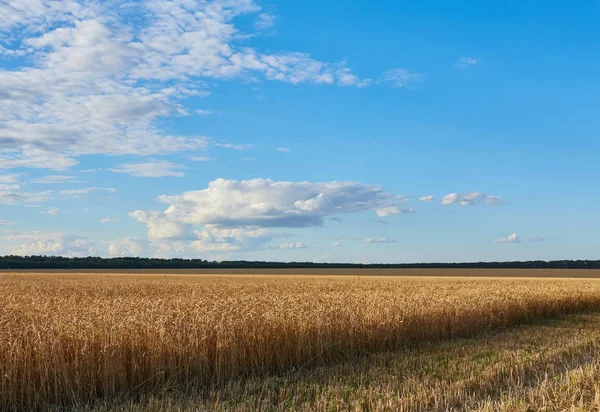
(389, 131)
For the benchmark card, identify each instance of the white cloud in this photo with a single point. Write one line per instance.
(238, 147)
(201, 158)
(340, 237)
(471, 198)
(292, 245)
(47, 243)
(267, 203)
(393, 210)
(98, 77)
(378, 240)
(264, 21)
(130, 246)
(155, 169)
(35, 158)
(513, 238)
(9, 178)
(53, 179)
(6, 222)
(9, 182)
(466, 61)
(8, 197)
(161, 226)
(85, 191)
(400, 77)
(53, 211)
(337, 244)
(202, 112)
(284, 149)
(217, 239)
(109, 220)
(426, 199)
(233, 215)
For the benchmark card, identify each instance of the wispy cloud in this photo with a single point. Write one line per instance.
(400, 77)
(232, 146)
(201, 158)
(158, 168)
(53, 211)
(56, 179)
(378, 240)
(293, 245)
(470, 198)
(109, 220)
(393, 210)
(264, 21)
(85, 191)
(466, 61)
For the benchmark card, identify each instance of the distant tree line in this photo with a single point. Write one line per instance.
(58, 262)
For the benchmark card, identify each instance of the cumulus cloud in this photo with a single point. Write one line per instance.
(232, 215)
(466, 61)
(267, 203)
(130, 246)
(98, 79)
(150, 169)
(337, 244)
(426, 199)
(218, 239)
(513, 238)
(292, 245)
(400, 77)
(47, 243)
(162, 226)
(202, 112)
(378, 240)
(471, 198)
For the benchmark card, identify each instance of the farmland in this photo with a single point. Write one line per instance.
(107, 340)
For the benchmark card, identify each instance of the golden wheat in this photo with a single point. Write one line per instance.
(71, 339)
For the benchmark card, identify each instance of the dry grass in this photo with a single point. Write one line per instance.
(72, 339)
(545, 366)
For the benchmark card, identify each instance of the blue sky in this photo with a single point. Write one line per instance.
(373, 132)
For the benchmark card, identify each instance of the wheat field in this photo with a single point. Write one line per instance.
(73, 339)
